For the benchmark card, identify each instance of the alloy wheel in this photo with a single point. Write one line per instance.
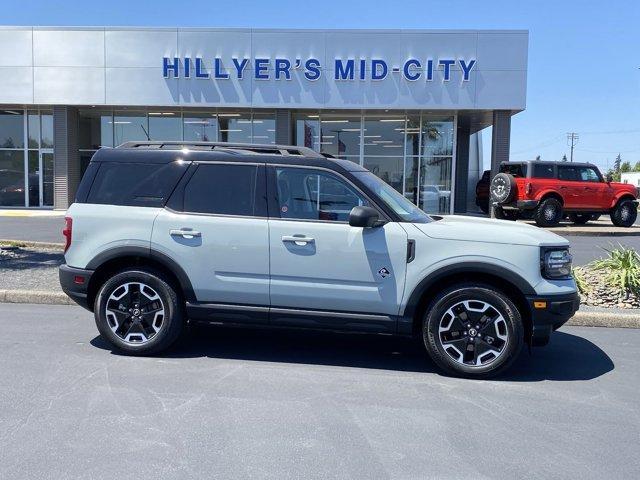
(473, 333)
(135, 312)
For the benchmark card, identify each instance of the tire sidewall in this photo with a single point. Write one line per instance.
(616, 215)
(172, 323)
(539, 216)
(509, 185)
(501, 302)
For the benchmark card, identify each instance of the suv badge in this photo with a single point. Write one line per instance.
(383, 272)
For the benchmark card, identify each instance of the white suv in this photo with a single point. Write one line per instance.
(165, 232)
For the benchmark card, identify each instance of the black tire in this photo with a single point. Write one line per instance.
(548, 213)
(624, 214)
(595, 216)
(160, 327)
(503, 188)
(444, 346)
(502, 214)
(580, 218)
(484, 206)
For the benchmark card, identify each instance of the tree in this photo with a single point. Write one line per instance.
(625, 167)
(615, 176)
(616, 163)
(564, 157)
(636, 167)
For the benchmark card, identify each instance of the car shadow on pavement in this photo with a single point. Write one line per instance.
(567, 357)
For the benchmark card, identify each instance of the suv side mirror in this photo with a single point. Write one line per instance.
(365, 217)
(609, 178)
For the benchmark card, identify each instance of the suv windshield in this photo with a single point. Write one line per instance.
(406, 210)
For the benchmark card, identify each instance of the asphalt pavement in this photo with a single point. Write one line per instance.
(260, 404)
(32, 229)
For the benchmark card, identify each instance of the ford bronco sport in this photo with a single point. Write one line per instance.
(546, 191)
(167, 232)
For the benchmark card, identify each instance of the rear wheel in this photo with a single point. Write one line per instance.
(548, 213)
(139, 312)
(580, 218)
(624, 214)
(473, 330)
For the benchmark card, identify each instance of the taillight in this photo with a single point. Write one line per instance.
(527, 188)
(68, 227)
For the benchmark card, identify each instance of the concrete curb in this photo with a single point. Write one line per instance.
(30, 244)
(615, 318)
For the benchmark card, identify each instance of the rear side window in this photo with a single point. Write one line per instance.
(515, 169)
(588, 174)
(222, 189)
(135, 184)
(540, 170)
(568, 174)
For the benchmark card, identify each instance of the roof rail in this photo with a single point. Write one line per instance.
(246, 148)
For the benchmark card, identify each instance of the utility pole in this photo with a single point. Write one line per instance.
(573, 138)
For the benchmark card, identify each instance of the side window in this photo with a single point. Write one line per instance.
(222, 189)
(518, 170)
(135, 184)
(568, 174)
(309, 194)
(589, 175)
(540, 170)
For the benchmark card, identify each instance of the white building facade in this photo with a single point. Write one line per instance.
(403, 103)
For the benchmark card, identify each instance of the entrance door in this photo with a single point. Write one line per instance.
(320, 264)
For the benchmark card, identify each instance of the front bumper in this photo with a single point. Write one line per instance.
(550, 312)
(75, 283)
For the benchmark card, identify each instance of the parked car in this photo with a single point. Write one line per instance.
(546, 191)
(279, 236)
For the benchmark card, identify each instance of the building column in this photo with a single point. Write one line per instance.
(283, 127)
(462, 168)
(500, 142)
(66, 157)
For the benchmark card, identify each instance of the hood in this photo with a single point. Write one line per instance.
(625, 187)
(476, 229)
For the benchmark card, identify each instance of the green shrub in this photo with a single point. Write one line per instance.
(581, 283)
(622, 269)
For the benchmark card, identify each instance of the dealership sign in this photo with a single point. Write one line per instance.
(412, 69)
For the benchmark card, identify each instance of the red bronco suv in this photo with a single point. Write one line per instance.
(546, 191)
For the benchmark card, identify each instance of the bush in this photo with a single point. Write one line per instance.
(621, 268)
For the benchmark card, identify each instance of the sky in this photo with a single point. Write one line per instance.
(584, 56)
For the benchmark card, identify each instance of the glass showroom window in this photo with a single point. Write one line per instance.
(307, 129)
(412, 158)
(165, 125)
(340, 136)
(200, 127)
(264, 128)
(95, 129)
(235, 127)
(129, 125)
(383, 146)
(437, 138)
(11, 129)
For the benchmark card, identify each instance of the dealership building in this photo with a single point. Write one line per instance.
(404, 103)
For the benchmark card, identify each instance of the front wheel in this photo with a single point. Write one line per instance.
(139, 312)
(473, 330)
(624, 214)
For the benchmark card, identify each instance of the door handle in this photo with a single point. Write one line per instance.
(562, 187)
(297, 239)
(185, 233)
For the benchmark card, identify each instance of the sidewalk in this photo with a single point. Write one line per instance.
(599, 228)
(19, 212)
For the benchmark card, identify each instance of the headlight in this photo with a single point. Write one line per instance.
(556, 263)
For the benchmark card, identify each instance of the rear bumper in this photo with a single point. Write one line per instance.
(75, 282)
(521, 205)
(555, 313)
